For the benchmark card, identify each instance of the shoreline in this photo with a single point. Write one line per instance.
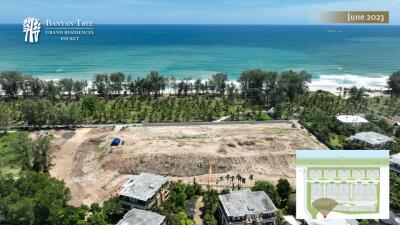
(375, 85)
(371, 91)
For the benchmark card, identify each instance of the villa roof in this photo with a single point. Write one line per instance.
(143, 187)
(190, 204)
(351, 119)
(291, 220)
(395, 158)
(190, 208)
(372, 138)
(141, 217)
(393, 218)
(246, 202)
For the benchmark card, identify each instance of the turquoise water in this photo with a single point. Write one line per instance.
(197, 51)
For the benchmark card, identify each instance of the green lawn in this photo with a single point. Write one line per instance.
(8, 158)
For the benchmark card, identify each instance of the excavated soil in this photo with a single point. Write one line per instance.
(93, 171)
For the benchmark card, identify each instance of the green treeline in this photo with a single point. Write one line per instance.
(256, 85)
(115, 98)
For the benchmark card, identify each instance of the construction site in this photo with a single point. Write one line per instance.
(94, 162)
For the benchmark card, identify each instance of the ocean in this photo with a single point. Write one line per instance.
(334, 55)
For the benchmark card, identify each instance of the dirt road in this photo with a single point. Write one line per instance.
(64, 162)
(199, 204)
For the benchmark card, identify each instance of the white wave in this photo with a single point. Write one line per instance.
(49, 79)
(329, 81)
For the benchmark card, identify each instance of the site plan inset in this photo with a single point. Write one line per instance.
(342, 184)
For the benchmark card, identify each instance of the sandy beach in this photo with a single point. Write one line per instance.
(375, 85)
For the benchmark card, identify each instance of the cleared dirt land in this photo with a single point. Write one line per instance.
(83, 159)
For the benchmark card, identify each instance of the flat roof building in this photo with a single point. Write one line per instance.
(142, 217)
(143, 191)
(395, 163)
(394, 219)
(291, 220)
(190, 208)
(351, 119)
(246, 207)
(371, 138)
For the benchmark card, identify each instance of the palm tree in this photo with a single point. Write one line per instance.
(220, 179)
(239, 178)
(227, 177)
(251, 177)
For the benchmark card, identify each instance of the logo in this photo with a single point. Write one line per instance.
(31, 28)
(64, 30)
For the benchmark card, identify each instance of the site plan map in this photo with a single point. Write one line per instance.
(342, 184)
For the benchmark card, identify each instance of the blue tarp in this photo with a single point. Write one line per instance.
(115, 141)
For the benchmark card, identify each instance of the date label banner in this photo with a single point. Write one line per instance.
(376, 17)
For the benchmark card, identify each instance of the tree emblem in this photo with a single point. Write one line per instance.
(31, 29)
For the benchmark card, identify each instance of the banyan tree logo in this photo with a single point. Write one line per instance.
(31, 27)
(63, 30)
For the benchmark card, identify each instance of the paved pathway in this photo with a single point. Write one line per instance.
(221, 119)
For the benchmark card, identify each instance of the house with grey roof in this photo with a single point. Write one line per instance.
(373, 139)
(395, 163)
(246, 207)
(190, 208)
(143, 191)
(351, 120)
(142, 217)
(394, 219)
(291, 220)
